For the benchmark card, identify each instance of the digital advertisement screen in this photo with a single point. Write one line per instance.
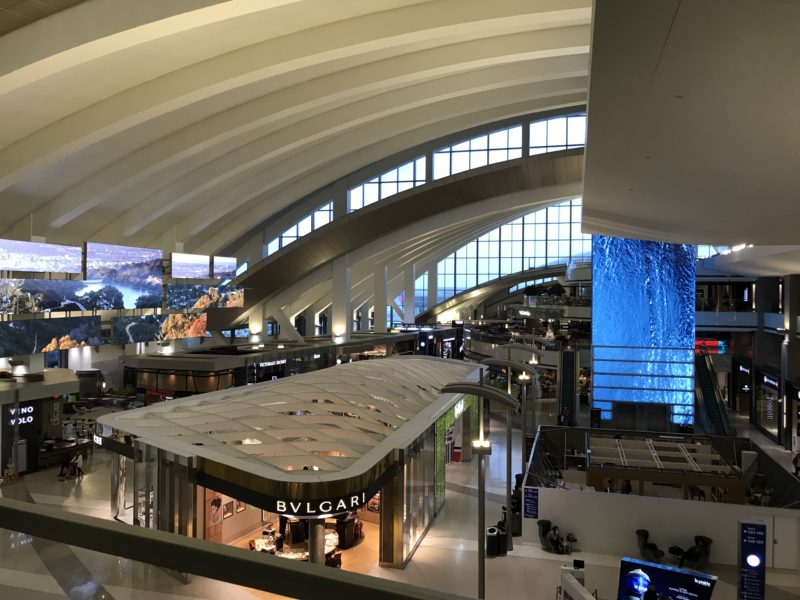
(190, 266)
(177, 327)
(25, 296)
(636, 577)
(645, 353)
(224, 267)
(39, 257)
(44, 335)
(132, 330)
(134, 273)
(199, 297)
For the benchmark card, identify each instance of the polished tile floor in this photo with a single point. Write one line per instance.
(37, 569)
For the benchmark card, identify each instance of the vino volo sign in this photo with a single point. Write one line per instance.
(20, 416)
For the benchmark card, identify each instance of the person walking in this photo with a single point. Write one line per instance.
(796, 464)
(78, 463)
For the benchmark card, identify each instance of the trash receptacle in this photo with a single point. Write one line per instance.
(516, 524)
(491, 541)
(502, 542)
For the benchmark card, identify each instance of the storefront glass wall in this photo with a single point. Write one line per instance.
(163, 491)
(768, 407)
(468, 404)
(419, 474)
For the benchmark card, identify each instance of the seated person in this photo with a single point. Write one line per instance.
(556, 541)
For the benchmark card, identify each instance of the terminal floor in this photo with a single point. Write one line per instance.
(36, 569)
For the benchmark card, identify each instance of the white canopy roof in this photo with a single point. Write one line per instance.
(347, 416)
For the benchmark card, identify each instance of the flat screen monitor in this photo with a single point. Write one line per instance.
(128, 275)
(636, 576)
(190, 266)
(224, 267)
(38, 257)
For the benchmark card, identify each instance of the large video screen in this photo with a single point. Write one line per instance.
(132, 330)
(636, 577)
(644, 353)
(135, 274)
(224, 267)
(24, 296)
(190, 266)
(199, 297)
(44, 335)
(177, 327)
(38, 257)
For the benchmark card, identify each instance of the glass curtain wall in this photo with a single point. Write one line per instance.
(311, 222)
(487, 149)
(393, 181)
(545, 237)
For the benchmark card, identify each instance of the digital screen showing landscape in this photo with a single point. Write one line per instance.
(38, 257)
(199, 297)
(224, 267)
(177, 327)
(190, 266)
(44, 335)
(132, 330)
(128, 277)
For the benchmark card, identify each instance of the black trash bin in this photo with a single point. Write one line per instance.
(491, 541)
(502, 541)
(516, 524)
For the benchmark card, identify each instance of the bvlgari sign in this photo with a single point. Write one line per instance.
(305, 508)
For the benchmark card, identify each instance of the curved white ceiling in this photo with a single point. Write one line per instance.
(196, 122)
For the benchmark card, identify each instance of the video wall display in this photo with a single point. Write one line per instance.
(644, 354)
(31, 336)
(224, 267)
(637, 577)
(177, 327)
(25, 296)
(136, 274)
(38, 257)
(190, 266)
(199, 297)
(132, 330)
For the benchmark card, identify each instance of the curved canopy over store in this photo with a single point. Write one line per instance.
(330, 433)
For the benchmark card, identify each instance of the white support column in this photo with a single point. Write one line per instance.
(287, 327)
(433, 283)
(409, 276)
(365, 316)
(255, 321)
(379, 280)
(341, 309)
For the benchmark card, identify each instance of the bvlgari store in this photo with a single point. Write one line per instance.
(302, 467)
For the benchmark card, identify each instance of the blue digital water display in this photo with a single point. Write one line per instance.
(643, 325)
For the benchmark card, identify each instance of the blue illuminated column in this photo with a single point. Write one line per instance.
(643, 328)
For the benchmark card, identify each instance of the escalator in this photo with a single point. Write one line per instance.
(708, 402)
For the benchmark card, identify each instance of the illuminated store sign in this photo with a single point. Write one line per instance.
(21, 416)
(272, 363)
(770, 381)
(744, 370)
(320, 507)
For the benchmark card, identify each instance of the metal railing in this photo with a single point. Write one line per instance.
(293, 579)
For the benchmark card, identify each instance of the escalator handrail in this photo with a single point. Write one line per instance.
(702, 413)
(720, 405)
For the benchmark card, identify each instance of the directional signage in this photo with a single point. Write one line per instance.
(752, 559)
(530, 502)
